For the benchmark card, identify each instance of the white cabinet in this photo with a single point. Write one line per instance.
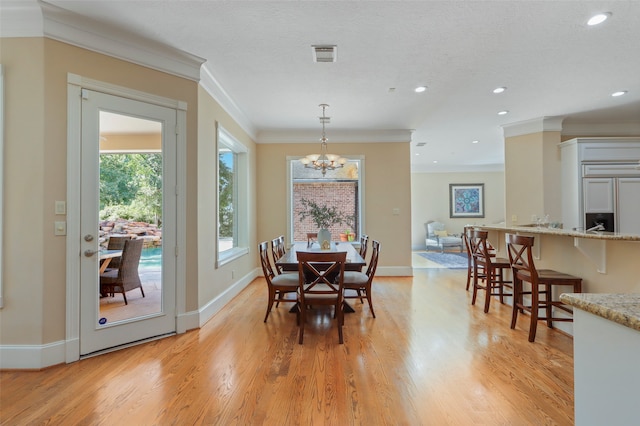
(598, 195)
(628, 209)
(598, 176)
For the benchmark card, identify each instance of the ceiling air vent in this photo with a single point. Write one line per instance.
(324, 53)
(421, 144)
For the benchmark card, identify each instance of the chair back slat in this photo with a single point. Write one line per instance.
(267, 270)
(373, 263)
(521, 256)
(321, 268)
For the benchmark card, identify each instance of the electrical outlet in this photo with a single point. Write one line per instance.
(233, 273)
(514, 218)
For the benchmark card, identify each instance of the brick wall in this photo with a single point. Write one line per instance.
(340, 194)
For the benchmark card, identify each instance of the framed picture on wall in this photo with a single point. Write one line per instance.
(466, 200)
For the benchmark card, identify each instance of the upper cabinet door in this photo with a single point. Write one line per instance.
(598, 195)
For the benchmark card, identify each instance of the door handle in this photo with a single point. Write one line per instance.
(89, 253)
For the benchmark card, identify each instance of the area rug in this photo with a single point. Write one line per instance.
(447, 260)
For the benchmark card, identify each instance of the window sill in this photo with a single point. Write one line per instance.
(231, 255)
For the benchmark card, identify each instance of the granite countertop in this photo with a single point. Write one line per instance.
(621, 308)
(533, 229)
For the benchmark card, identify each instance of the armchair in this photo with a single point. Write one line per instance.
(438, 238)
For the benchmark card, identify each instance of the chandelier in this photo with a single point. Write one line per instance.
(323, 161)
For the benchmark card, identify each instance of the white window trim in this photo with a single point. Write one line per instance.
(223, 137)
(1, 172)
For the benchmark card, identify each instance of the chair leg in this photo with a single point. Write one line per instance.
(517, 300)
(535, 303)
(475, 285)
(272, 296)
(489, 285)
(124, 295)
(549, 305)
(340, 314)
(142, 291)
(368, 291)
(301, 321)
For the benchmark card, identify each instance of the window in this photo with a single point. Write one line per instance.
(342, 188)
(232, 197)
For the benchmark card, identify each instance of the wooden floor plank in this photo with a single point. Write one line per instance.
(429, 358)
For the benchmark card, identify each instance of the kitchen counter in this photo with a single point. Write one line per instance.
(623, 309)
(606, 343)
(533, 229)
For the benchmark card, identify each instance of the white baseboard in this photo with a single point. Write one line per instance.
(32, 357)
(206, 312)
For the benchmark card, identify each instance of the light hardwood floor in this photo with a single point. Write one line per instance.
(429, 358)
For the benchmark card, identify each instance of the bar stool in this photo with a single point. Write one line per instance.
(542, 282)
(488, 270)
(466, 238)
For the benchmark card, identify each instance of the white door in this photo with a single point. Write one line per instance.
(128, 169)
(628, 205)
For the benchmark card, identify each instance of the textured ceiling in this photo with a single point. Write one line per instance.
(551, 62)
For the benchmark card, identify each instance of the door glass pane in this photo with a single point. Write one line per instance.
(130, 209)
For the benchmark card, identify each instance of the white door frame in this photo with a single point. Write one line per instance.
(75, 84)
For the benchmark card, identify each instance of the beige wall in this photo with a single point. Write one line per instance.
(387, 185)
(532, 177)
(214, 281)
(430, 201)
(35, 72)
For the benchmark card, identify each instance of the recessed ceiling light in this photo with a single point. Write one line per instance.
(620, 93)
(417, 153)
(599, 18)
(503, 112)
(435, 161)
(475, 141)
(499, 89)
(420, 89)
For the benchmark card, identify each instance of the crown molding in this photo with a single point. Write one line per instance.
(536, 125)
(21, 18)
(213, 88)
(40, 19)
(335, 136)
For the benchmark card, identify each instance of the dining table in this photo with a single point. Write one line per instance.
(289, 261)
(355, 262)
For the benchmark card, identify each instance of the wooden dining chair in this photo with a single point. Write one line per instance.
(321, 280)
(488, 270)
(361, 282)
(542, 282)
(126, 277)
(278, 285)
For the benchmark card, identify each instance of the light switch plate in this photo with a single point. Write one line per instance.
(61, 207)
(60, 228)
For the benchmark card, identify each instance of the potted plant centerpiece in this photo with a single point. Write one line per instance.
(323, 217)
